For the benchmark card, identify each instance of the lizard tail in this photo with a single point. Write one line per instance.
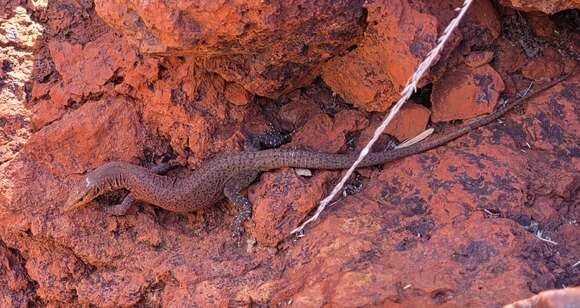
(278, 158)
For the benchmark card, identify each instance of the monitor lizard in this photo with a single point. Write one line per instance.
(228, 174)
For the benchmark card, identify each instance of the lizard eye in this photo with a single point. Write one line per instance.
(85, 198)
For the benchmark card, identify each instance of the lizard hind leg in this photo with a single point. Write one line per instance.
(266, 141)
(232, 190)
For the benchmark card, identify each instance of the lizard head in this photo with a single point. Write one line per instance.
(84, 193)
(97, 182)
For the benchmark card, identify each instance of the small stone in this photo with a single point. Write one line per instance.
(303, 172)
(237, 95)
(540, 24)
(465, 93)
(547, 66)
(411, 120)
(476, 59)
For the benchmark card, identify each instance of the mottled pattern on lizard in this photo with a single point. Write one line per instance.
(228, 174)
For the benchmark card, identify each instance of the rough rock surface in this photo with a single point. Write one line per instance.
(545, 6)
(459, 225)
(568, 297)
(268, 47)
(465, 92)
(398, 36)
(16, 289)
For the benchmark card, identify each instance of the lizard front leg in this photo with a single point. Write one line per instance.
(232, 190)
(121, 208)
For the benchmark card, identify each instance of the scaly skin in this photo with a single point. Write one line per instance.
(226, 175)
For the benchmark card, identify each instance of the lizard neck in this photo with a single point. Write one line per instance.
(141, 182)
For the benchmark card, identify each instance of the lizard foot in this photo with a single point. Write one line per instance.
(266, 141)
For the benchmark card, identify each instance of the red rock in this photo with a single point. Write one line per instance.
(479, 30)
(476, 59)
(546, 6)
(15, 289)
(568, 233)
(40, 89)
(540, 24)
(350, 120)
(102, 124)
(237, 95)
(83, 76)
(187, 107)
(568, 297)
(291, 38)
(47, 110)
(508, 58)
(138, 79)
(482, 25)
(449, 227)
(319, 134)
(372, 75)
(466, 93)
(543, 129)
(123, 288)
(299, 110)
(281, 201)
(411, 120)
(549, 66)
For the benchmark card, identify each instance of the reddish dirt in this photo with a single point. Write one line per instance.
(82, 84)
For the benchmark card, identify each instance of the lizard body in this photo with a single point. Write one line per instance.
(226, 175)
